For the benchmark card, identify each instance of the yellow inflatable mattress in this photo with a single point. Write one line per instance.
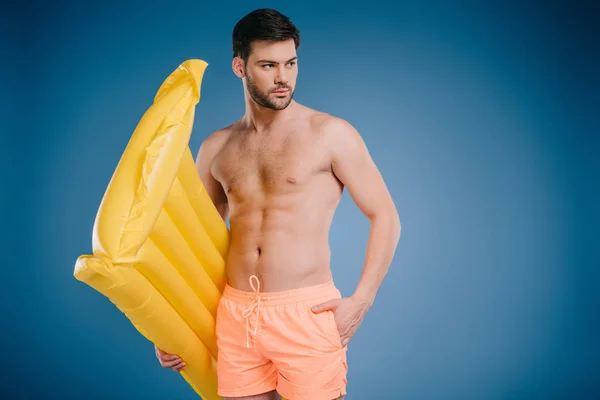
(158, 243)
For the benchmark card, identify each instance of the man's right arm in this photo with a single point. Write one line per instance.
(204, 160)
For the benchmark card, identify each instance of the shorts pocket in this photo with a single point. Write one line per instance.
(322, 330)
(333, 330)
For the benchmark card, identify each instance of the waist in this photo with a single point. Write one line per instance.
(281, 266)
(322, 291)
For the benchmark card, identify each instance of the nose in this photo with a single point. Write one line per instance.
(281, 76)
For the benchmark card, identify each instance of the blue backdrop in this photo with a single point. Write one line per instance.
(479, 115)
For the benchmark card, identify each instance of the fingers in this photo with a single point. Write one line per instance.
(171, 361)
(179, 367)
(168, 357)
(176, 364)
(164, 356)
(346, 335)
(328, 305)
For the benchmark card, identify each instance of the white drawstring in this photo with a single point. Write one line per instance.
(253, 304)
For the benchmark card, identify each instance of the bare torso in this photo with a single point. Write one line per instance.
(282, 195)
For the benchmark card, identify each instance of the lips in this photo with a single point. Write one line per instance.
(281, 91)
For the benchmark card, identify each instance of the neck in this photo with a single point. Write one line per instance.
(260, 118)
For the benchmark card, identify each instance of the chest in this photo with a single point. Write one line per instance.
(269, 163)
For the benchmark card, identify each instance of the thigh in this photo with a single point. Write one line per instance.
(312, 376)
(307, 352)
(242, 369)
(272, 395)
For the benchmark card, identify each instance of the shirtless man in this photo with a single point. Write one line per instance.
(278, 174)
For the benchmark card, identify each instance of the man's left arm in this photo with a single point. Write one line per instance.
(353, 165)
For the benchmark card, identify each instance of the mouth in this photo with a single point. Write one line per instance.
(280, 92)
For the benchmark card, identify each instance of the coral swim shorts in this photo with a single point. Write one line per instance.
(273, 341)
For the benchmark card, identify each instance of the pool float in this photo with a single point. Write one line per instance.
(158, 242)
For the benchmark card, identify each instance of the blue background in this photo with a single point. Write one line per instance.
(480, 116)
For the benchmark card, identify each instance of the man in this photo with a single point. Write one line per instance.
(278, 174)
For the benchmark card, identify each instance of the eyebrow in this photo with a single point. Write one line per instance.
(275, 62)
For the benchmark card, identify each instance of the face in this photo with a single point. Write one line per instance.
(270, 73)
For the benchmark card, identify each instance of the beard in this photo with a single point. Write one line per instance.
(263, 99)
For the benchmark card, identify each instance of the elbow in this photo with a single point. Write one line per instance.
(391, 220)
(396, 227)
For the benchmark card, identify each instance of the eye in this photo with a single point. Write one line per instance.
(267, 66)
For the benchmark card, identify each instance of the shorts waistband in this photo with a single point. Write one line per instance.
(303, 294)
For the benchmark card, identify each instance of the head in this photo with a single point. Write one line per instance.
(264, 56)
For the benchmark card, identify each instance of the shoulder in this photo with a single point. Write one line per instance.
(331, 125)
(338, 133)
(215, 141)
(325, 124)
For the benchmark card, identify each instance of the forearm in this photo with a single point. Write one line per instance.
(381, 247)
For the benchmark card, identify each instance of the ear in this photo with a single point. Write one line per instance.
(238, 67)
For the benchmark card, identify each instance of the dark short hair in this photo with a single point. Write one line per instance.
(262, 24)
